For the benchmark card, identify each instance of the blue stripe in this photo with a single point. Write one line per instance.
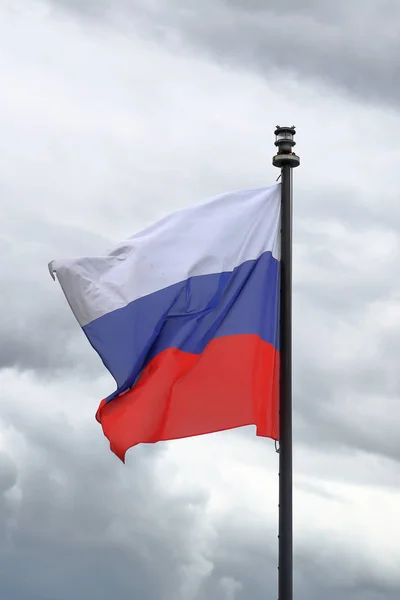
(187, 316)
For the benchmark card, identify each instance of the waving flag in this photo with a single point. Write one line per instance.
(185, 316)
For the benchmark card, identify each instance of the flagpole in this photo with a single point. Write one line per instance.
(286, 160)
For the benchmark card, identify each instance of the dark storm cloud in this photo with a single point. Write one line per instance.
(354, 48)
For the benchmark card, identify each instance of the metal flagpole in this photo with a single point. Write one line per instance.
(286, 160)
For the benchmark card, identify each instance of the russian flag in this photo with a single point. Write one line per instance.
(185, 316)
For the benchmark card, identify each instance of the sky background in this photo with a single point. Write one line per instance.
(112, 114)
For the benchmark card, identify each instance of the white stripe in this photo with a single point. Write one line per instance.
(210, 237)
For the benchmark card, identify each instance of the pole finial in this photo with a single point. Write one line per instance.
(284, 140)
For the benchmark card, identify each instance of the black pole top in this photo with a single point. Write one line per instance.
(284, 140)
(280, 129)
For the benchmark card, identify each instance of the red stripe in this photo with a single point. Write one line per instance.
(233, 383)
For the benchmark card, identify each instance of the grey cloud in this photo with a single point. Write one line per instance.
(82, 524)
(326, 401)
(349, 295)
(320, 574)
(39, 332)
(74, 523)
(95, 535)
(337, 43)
(8, 472)
(85, 525)
(319, 570)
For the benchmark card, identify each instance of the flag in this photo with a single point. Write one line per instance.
(185, 316)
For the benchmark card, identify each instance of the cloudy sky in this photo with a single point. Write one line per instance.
(112, 114)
